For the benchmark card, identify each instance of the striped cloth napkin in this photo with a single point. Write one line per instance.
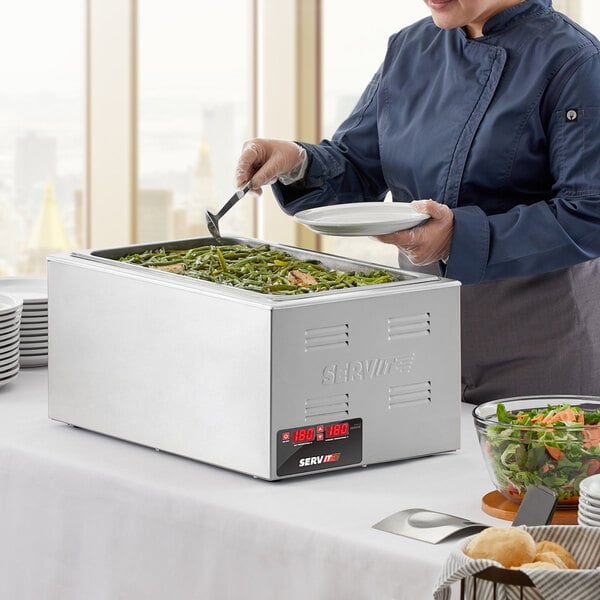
(573, 584)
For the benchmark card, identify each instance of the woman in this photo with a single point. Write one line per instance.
(491, 109)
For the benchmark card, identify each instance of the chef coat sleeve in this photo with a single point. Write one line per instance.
(553, 234)
(344, 169)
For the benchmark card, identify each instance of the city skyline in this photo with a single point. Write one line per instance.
(163, 183)
(185, 103)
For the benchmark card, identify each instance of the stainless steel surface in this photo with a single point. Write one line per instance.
(212, 221)
(215, 373)
(108, 256)
(427, 525)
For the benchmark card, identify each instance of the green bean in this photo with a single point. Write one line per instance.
(259, 269)
(222, 260)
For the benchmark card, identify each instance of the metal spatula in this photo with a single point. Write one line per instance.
(212, 221)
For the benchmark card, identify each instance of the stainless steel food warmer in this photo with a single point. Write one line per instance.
(269, 385)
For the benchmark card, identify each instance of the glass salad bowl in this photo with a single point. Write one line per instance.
(552, 441)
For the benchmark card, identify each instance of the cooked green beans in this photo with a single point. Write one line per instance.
(259, 268)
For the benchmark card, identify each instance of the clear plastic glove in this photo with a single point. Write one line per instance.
(429, 242)
(264, 161)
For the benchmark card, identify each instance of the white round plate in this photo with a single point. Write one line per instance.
(10, 317)
(35, 309)
(27, 326)
(28, 289)
(9, 370)
(34, 351)
(28, 319)
(7, 337)
(8, 379)
(9, 304)
(35, 305)
(586, 503)
(31, 327)
(590, 487)
(34, 361)
(9, 360)
(35, 314)
(41, 342)
(8, 326)
(589, 513)
(38, 306)
(14, 318)
(25, 318)
(29, 345)
(8, 348)
(591, 502)
(361, 218)
(33, 339)
(38, 340)
(583, 520)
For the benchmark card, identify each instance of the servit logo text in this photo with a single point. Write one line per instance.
(366, 369)
(317, 460)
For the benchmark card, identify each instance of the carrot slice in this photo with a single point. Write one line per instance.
(568, 415)
(554, 452)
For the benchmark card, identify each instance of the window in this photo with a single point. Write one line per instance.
(194, 112)
(354, 42)
(192, 109)
(41, 132)
(589, 16)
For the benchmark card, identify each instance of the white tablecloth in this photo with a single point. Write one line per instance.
(86, 517)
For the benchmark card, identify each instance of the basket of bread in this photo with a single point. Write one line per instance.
(552, 562)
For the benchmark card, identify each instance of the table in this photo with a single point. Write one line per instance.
(85, 516)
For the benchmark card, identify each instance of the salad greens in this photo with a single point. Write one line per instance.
(557, 446)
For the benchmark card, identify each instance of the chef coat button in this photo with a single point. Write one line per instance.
(571, 115)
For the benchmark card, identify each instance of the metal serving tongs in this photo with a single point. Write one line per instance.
(212, 221)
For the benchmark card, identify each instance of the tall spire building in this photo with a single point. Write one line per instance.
(48, 235)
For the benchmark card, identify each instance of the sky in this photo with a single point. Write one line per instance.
(27, 24)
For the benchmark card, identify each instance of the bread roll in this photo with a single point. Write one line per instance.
(550, 557)
(563, 553)
(510, 546)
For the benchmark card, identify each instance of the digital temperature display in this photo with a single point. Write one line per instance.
(337, 429)
(320, 432)
(303, 435)
(319, 447)
(317, 433)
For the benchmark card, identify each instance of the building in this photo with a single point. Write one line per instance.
(155, 215)
(48, 236)
(35, 164)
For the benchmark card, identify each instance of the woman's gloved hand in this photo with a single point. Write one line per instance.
(429, 242)
(264, 161)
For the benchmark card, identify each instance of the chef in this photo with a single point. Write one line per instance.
(485, 116)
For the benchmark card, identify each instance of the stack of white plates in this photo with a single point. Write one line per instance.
(10, 323)
(33, 292)
(588, 512)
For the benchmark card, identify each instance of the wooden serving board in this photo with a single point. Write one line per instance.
(496, 505)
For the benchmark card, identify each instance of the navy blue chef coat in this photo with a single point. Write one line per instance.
(504, 129)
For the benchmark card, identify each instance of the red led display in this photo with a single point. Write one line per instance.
(337, 429)
(303, 435)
